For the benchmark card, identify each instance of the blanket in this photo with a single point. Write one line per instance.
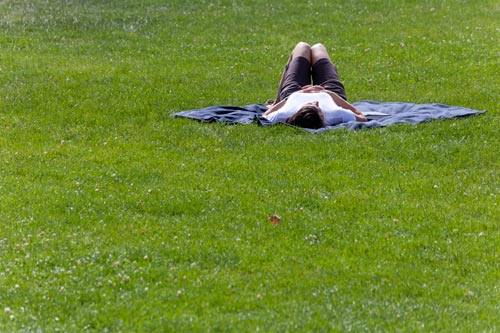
(379, 114)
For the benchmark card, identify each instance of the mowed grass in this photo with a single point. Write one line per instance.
(116, 217)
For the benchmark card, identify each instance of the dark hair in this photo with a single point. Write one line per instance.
(308, 116)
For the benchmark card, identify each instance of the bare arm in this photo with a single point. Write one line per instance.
(343, 103)
(275, 107)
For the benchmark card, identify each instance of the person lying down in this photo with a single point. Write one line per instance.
(324, 103)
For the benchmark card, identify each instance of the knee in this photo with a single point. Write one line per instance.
(302, 46)
(302, 49)
(318, 51)
(318, 47)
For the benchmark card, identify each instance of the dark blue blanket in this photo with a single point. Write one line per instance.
(397, 113)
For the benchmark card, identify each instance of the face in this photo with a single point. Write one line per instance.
(314, 103)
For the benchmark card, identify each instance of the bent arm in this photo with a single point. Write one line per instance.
(346, 105)
(275, 107)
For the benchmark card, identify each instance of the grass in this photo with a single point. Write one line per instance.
(116, 217)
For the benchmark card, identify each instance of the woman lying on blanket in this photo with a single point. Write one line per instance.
(311, 106)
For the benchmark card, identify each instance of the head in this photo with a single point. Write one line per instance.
(308, 116)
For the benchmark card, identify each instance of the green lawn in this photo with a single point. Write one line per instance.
(116, 217)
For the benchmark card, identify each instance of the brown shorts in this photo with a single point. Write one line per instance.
(298, 73)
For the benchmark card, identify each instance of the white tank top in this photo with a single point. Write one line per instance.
(333, 113)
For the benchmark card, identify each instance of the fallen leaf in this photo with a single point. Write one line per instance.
(275, 219)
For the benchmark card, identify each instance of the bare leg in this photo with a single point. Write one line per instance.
(318, 51)
(302, 49)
